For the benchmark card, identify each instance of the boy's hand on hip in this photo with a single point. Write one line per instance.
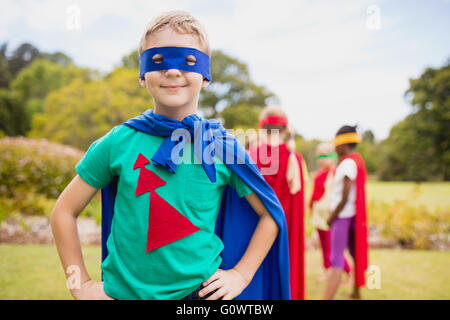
(227, 283)
(330, 222)
(90, 290)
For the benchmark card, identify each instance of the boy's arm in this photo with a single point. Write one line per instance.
(69, 205)
(230, 283)
(345, 192)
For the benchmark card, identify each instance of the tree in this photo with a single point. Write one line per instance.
(242, 116)
(5, 76)
(308, 150)
(430, 97)
(34, 78)
(81, 112)
(368, 136)
(57, 57)
(408, 154)
(418, 148)
(14, 120)
(131, 60)
(231, 86)
(370, 151)
(21, 57)
(41, 77)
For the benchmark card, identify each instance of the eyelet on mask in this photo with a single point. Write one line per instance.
(191, 60)
(158, 58)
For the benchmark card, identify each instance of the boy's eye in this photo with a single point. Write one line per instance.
(191, 60)
(158, 58)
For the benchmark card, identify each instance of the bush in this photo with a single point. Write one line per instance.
(33, 173)
(413, 227)
(35, 165)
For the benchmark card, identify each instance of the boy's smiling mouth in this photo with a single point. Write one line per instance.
(173, 87)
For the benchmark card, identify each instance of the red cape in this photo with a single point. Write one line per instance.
(361, 246)
(294, 207)
(319, 185)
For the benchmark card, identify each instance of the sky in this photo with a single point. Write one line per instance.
(330, 63)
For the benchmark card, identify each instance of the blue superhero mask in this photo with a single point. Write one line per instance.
(175, 58)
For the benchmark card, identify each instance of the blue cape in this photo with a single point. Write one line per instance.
(236, 220)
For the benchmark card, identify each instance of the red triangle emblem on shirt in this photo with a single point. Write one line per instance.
(165, 223)
(140, 161)
(148, 181)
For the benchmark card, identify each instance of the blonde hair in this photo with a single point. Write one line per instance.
(293, 168)
(272, 111)
(179, 21)
(324, 147)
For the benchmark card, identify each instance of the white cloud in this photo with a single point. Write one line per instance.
(10, 12)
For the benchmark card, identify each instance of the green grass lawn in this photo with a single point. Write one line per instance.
(428, 194)
(405, 274)
(34, 272)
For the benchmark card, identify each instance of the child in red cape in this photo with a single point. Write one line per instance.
(320, 204)
(285, 171)
(348, 218)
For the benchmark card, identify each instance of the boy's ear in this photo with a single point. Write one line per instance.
(205, 83)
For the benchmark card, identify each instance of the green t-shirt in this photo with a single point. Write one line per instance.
(175, 269)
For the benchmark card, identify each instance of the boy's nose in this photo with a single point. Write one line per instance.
(173, 73)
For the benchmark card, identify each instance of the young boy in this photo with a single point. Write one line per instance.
(348, 212)
(166, 245)
(320, 203)
(287, 175)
